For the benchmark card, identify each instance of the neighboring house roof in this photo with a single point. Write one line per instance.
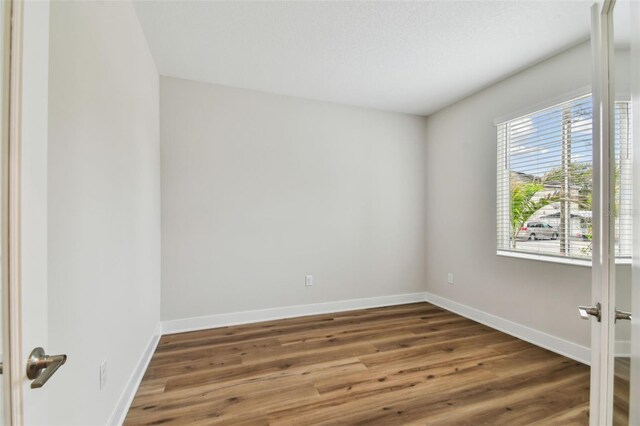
(523, 177)
(584, 214)
(548, 185)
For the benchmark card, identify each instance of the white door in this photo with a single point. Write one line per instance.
(624, 354)
(615, 345)
(634, 347)
(603, 259)
(25, 194)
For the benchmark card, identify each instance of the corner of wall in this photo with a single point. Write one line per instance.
(553, 343)
(126, 397)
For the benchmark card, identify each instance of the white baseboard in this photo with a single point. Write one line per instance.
(539, 338)
(246, 317)
(121, 409)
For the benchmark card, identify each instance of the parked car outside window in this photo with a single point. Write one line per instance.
(538, 231)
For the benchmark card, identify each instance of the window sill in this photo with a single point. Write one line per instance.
(556, 259)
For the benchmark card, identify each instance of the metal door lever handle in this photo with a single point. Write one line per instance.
(594, 311)
(623, 315)
(40, 366)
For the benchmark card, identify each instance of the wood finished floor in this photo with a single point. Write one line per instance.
(622, 371)
(407, 364)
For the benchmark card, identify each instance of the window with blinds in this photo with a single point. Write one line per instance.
(544, 181)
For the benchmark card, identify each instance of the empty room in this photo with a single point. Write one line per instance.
(320, 212)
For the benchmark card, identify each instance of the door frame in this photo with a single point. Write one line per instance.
(5, 75)
(11, 217)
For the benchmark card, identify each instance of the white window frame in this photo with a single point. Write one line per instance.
(504, 176)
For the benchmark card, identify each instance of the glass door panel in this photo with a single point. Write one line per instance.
(627, 276)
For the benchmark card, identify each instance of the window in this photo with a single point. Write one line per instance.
(544, 182)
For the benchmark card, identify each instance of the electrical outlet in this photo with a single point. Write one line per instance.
(308, 280)
(103, 374)
(450, 278)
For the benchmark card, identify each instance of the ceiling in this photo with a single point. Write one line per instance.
(411, 57)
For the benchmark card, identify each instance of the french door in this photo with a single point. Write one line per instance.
(615, 310)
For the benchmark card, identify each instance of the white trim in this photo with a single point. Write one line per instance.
(129, 392)
(623, 97)
(11, 244)
(538, 338)
(567, 96)
(6, 316)
(246, 317)
(545, 258)
(622, 348)
(556, 259)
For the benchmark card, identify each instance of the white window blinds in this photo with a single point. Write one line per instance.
(544, 181)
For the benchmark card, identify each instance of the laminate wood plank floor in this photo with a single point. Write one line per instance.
(621, 383)
(409, 364)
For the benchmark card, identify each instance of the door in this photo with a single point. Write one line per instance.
(5, 13)
(24, 194)
(615, 336)
(624, 45)
(634, 347)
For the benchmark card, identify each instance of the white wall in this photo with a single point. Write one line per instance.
(461, 179)
(104, 204)
(259, 190)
